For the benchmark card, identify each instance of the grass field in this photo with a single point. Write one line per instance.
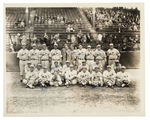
(74, 100)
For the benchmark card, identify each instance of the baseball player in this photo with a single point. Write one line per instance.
(55, 55)
(71, 76)
(66, 52)
(109, 77)
(81, 55)
(38, 71)
(66, 67)
(27, 68)
(98, 64)
(34, 55)
(82, 65)
(23, 56)
(84, 77)
(30, 77)
(44, 56)
(89, 56)
(56, 71)
(122, 78)
(100, 55)
(116, 66)
(113, 54)
(96, 78)
(45, 77)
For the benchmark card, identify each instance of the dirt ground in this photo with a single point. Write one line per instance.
(74, 100)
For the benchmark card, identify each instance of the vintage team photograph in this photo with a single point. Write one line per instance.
(74, 59)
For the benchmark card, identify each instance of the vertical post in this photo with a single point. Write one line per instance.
(27, 16)
(93, 17)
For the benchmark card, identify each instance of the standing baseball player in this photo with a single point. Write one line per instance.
(100, 55)
(89, 56)
(44, 56)
(113, 54)
(84, 77)
(122, 78)
(34, 55)
(71, 76)
(55, 55)
(109, 77)
(23, 56)
(81, 55)
(116, 66)
(96, 78)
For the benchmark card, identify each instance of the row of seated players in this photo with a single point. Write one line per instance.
(69, 75)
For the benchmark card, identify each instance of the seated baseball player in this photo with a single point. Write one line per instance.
(98, 64)
(45, 77)
(84, 76)
(122, 79)
(56, 75)
(116, 66)
(30, 77)
(38, 71)
(96, 78)
(82, 65)
(27, 68)
(71, 76)
(109, 77)
(65, 68)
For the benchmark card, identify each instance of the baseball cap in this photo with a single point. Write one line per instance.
(55, 44)
(117, 61)
(29, 62)
(108, 66)
(98, 46)
(123, 67)
(67, 61)
(32, 65)
(23, 44)
(89, 46)
(34, 45)
(111, 44)
(71, 65)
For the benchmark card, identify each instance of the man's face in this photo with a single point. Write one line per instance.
(56, 63)
(96, 70)
(99, 48)
(111, 46)
(68, 64)
(55, 46)
(71, 68)
(32, 69)
(80, 46)
(38, 67)
(34, 47)
(23, 47)
(84, 70)
(44, 47)
(123, 70)
(109, 69)
(84, 63)
(97, 61)
(29, 64)
(45, 70)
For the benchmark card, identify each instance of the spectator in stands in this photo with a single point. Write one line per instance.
(79, 36)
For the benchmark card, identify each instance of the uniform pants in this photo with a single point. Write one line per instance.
(22, 66)
(110, 62)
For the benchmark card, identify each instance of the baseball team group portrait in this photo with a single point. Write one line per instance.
(74, 59)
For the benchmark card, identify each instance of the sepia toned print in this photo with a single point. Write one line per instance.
(74, 59)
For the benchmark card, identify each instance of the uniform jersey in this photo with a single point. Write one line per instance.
(108, 74)
(96, 75)
(55, 54)
(45, 75)
(26, 69)
(56, 70)
(113, 54)
(81, 54)
(44, 54)
(71, 74)
(89, 55)
(34, 54)
(81, 66)
(100, 54)
(31, 75)
(122, 75)
(84, 75)
(65, 69)
(92, 67)
(23, 54)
